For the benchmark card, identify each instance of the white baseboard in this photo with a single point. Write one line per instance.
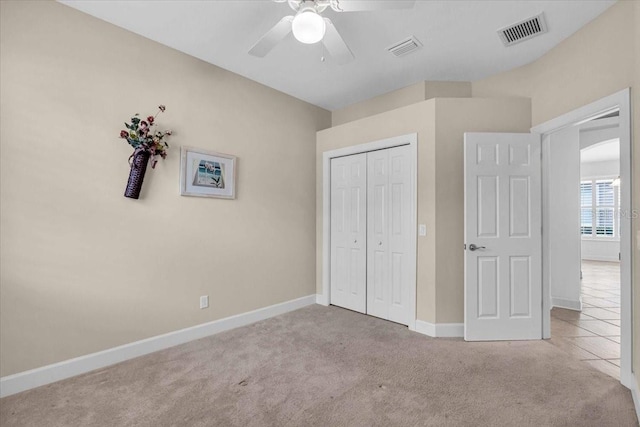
(321, 300)
(569, 304)
(440, 330)
(636, 398)
(22, 381)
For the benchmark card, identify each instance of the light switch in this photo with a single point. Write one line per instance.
(422, 230)
(204, 301)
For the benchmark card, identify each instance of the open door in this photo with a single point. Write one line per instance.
(503, 237)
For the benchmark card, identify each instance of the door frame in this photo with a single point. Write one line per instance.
(412, 141)
(617, 101)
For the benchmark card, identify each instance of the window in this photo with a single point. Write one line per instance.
(586, 201)
(599, 208)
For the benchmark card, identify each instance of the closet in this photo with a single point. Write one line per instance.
(371, 212)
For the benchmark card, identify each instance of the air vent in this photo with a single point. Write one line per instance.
(523, 30)
(405, 46)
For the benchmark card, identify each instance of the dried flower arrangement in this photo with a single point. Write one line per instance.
(148, 146)
(141, 137)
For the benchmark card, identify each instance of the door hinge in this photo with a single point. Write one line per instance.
(465, 246)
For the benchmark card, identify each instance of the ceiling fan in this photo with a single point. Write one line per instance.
(309, 26)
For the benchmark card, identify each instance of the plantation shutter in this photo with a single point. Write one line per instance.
(586, 201)
(605, 207)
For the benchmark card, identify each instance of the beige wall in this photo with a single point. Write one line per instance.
(447, 90)
(440, 125)
(600, 59)
(83, 268)
(400, 98)
(594, 62)
(379, 104)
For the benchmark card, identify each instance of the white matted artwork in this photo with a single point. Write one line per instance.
(207, 174)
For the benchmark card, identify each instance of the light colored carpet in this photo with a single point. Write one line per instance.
(324, 366)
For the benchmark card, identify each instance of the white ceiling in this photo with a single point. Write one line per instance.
(459, 37)
(606, 150)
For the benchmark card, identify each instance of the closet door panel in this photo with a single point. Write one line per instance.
(400, 229)
(378, 289)
(349, 232)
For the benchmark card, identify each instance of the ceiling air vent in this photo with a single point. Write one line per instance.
(404, 47)
(523, 30)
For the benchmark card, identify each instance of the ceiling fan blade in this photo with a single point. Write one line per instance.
(363, 5)
(336, 46)
(272, 38)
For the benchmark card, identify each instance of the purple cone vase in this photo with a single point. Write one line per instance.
(136, 175)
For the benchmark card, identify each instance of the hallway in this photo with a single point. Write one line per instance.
(593, 335)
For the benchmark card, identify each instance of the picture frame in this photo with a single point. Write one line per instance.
(206, 173)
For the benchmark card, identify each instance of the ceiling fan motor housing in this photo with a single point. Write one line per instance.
(318, 5)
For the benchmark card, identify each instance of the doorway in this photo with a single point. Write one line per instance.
(585, 320)
(617, 103)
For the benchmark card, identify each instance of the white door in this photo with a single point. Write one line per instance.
(349, 232)
(389, 252)
(503, 237)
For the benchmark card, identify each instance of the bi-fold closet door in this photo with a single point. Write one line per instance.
(371, 207)
(349, 232)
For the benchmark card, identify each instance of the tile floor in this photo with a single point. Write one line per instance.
(593, 335)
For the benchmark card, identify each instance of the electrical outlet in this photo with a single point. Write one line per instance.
(204, 301)
(422, 230)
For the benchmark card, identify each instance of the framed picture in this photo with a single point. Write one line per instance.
(207, 174)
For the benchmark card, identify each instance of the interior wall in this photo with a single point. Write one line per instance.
(598, 60)
(412, 94)
(85, 269)
(562, 149)
(416, 118)
(379, 104)
(447, 89)
(600, 250)
(594, 62)
(604, 169)
(454, 117)
(597, 131)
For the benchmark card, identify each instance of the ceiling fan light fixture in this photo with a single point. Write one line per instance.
(308, 26)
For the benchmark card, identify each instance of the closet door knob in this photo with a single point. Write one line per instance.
(379, 243)
(355, 241)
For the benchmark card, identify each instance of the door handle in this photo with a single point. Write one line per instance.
(473, 247)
